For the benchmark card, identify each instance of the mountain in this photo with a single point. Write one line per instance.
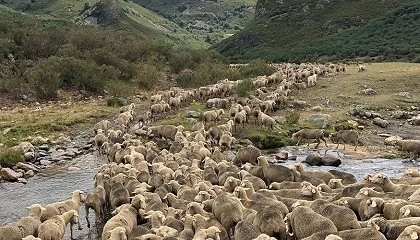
(213, 20)
(308, 30)
(113, 14)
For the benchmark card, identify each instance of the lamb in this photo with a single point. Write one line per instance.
(267, 121)
(212, 115)
(308, 133)
(410, 146)
(303, 222)
(58, 208)
(23, 227)
(274, 173)
(346, 136)
(55, 227)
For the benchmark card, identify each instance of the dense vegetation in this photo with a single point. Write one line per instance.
(51, 55)
(308, 31)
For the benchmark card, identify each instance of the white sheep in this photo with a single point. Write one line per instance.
(212, 115)
(362, 68)
(240, 118)
(31, 237)
(267, 121)
(312, 80)
(96, 200)
(410, 146)
(55, 227)
(24, 226)
(58, 208)
(126, 217)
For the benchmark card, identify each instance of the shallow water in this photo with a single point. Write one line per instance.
(56, 183)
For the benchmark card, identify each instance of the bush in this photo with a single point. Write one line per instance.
(115, 101)
(269, 141)
(44, 79)
(292, 117)
(344, 126)
(11, 157)
(147, 76)
(256, 68)
(243, 88)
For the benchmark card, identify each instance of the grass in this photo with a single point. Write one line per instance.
(10, 157)
(27, 122)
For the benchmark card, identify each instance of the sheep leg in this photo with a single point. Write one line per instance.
(87, 216)
(336, 147)
(318, 141)
(355, 145)
(325, 141)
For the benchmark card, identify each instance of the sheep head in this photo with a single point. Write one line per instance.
(333, 237)
(373, 206)
(410, 233)
(415, 197)
(379, 178)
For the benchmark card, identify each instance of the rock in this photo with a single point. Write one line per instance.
(192, 120)
(369, 91)
(380, 122)
(401, 115)
(414, 120)
(348, 178)
(45, 162)
(292, 158)
(193, 114)
(62, 140)
(74, 169)
(38, 140)
(384, 135)
(6, 131)
(26, 167)
(9, 175)
(24, 147)
(279, 119)
(29, 156)
(331, 160)
(44, 147)
(390, 141)
(140, 132)
(317, 108)
(245, 142)
(313, 159)
(29, 174)
(404, 95)
(283, 155)
(321, 120)
(22, 180)
(358, 111)
(298, 104)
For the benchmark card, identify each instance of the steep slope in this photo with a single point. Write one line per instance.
(292, 30)
(213, 20)
(115, 14)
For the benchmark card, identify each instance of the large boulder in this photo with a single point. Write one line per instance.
(9, 174)
(330, 160)
(380, 122)
(247, 154)
(391, 140)
(414, 120)
(320, 120)
(315, 159)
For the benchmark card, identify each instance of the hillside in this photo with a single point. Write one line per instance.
(113, 14)
(212, 20)
(292, 30)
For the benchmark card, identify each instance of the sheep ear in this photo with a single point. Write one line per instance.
(366, 192)
(407, 212)
(377, 227)
(313, 190)
(414, 235)
(373, 203)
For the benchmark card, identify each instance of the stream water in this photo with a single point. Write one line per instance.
(57, 182)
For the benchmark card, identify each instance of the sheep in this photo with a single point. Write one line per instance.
(308, 133)
(55, 227)
(240, 118)
(362, 68)
(302, 222)
(225, 141)
(166, 131)
(387, 185)
(227, 210)
(409, 211)
(119, 195)
(156, 98)
(342, 217)
(357, 234)
(245, 230)
(58, 208)
(274, 173)
(325, 176)
(312, 80)
(370, 207)
(247, 154)
(212, 115)
(336, 183)
(410, 146)
(347, 136)
(208, 233)
(367, 192)
(103, 124)
(165, 231)
(267, 121)
(31, 237)
(145, 118)
(300, 86)
(411, 232)
(271, 223)
(24, 226)
(118, 233)
(392, 228)
(97, 201)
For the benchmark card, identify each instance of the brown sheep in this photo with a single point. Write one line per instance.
(307, 133)
(345, 136)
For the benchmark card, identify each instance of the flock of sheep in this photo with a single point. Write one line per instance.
(195, 190)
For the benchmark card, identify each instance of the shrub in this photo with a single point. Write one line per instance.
(344, 126)
(269, 140)
(243, 88)
(147, 76)
(44, 79)
(10, 157)
(116, 101)
(256, 68)
(292, 117)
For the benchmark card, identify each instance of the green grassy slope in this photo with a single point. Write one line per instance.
(209, 19)
(304, 30)
(118, 14)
